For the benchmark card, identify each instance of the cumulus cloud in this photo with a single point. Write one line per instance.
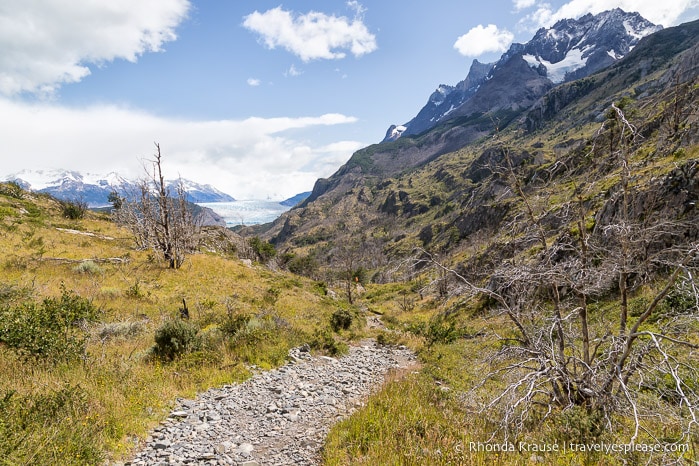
(47, 43)
(666, 13)
(522, 4)
(313, 35)
(480, 40)
(253, 82)
(250, 158)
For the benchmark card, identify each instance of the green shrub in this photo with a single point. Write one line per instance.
(441, 331)
(681, 300)
(302, 265)
(437, 330)
(263, 249)
(321, 287)
(175, 338)
(385, 338)
(341, 319)
(52, 331)
(325, 342)
(233, 323)
(578, 425)
(73, 210)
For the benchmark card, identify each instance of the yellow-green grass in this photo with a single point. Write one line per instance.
(102, 406)
(434, 414)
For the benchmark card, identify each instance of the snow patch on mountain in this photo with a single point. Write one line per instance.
(556, 72)
(638, 33)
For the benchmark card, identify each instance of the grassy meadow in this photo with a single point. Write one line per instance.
(83, 377)
(89, 392)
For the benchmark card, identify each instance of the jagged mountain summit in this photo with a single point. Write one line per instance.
(94, 189)
(570, 49)
(448, 183)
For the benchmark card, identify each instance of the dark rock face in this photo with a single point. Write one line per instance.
(442, 102)
(598, 40)
(673, 198)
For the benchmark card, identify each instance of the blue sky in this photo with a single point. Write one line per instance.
(257, 98)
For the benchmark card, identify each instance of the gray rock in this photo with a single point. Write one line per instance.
(276, 417)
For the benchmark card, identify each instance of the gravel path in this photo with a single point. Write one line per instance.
(279, 417)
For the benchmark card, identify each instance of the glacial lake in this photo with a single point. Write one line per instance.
(247, 212)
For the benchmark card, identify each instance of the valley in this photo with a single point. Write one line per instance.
(508, 278)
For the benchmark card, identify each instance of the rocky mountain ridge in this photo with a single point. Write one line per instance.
(447, 186)
(570, 49)
(94, 189)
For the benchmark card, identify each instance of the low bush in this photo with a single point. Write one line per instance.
(262, 340)
(325, 342)
(53, 331)
(233, 323)
(175, 338)
(73, 210)
(88, 268)
(125, 330)
(263, 250)
(342, 319)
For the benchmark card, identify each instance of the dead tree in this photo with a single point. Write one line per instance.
(160, 221)
(346, 259)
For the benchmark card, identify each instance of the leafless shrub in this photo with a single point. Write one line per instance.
(560, 353)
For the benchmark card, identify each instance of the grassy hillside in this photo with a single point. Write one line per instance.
(432, 189)
(80, 308)
(546, 273)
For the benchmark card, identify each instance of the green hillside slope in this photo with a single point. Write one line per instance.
(93, 346)
(546, 270)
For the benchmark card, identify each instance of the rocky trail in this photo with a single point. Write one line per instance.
(277, 417)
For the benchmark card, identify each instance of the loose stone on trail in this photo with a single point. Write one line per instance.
(278, 417)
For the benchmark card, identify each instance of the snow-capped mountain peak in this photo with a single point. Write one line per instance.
(574, 48)
(570, 49)
(94, 189)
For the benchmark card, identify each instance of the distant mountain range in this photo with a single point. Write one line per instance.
(299, 198)
(571, 49)
(94, 189)
(443, 183)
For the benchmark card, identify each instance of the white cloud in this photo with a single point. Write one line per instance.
(522, 4)
(253, 82)
(293, 71)
(358, 8)
(250, 158)
(47, 43)
(666, 13)
(480, 40)
(313, 35)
